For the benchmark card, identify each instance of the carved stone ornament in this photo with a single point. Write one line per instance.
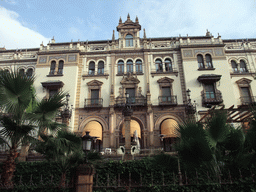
(71, 58)
(243, 81)
(43, 59)
(165, 81)
(94, 83)
(129, 79)
(57, 57)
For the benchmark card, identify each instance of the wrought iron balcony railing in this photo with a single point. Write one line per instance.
(248, 100)
(212, 98)
(167, 100)
(93, 102)
(134, 101)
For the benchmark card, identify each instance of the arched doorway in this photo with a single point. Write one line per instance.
(133, 126)
(95, 129)
(170, 134)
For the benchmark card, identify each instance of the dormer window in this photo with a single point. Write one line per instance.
(129, 40)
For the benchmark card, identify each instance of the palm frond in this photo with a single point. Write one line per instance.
(15, 92)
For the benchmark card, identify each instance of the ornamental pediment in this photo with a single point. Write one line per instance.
(129, 79)
(165, 80)
(244, 81)
(94, 83)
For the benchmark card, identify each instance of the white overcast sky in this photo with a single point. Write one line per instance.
(26, 23)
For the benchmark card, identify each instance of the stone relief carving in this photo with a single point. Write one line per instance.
(71, 58)
(58, 57)
(43, 59)
(203, 51)
(188, 53)
(218, 52)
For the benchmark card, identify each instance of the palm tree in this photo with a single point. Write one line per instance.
(18, 120)
(65, 149)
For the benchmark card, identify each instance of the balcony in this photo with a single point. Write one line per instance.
(167, 100)
(248, 100)
(133, 101)
(212, 98)
(93, 102)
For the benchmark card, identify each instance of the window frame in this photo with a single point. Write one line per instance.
(168, 66)
(60, 67)
(120, 67)
(129, 40)
(129, 66)
(159, 65)
(91, 68)
(101, 68)
(201, 64)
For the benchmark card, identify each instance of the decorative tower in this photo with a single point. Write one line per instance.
(129, 33)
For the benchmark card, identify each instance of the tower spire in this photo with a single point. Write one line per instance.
(128, 17)
(113, 36)
(120, 20)
(136, 20)
(144, 35)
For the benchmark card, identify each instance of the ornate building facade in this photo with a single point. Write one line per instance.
(156, 72)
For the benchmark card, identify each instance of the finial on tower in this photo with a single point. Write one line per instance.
(136, 20)
(113, 36)
(144, 35)
(128, 16)
(120, 20)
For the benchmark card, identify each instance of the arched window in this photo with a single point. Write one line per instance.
(22, 72)
(234, 66)
(129, 40)
(91, 68)
(53, 65)
(29, 72)
(120, 66)
(200, 61)
(138, 66)
(168, 65)
(159, 65)
(101, 67)
(129, 66)
(60, 67)
(243, 68)
(208, 59)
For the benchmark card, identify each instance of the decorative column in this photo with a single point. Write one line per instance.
(127, 112)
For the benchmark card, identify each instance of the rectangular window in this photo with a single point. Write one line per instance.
(246, 96)
(166, 94)
(95, 96)
(131, 92)
(120, 69)
(209, 91)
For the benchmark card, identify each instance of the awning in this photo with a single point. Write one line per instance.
(169, 128)
(52, 84)
(134, 126)
(94, 128)
(205, 78)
